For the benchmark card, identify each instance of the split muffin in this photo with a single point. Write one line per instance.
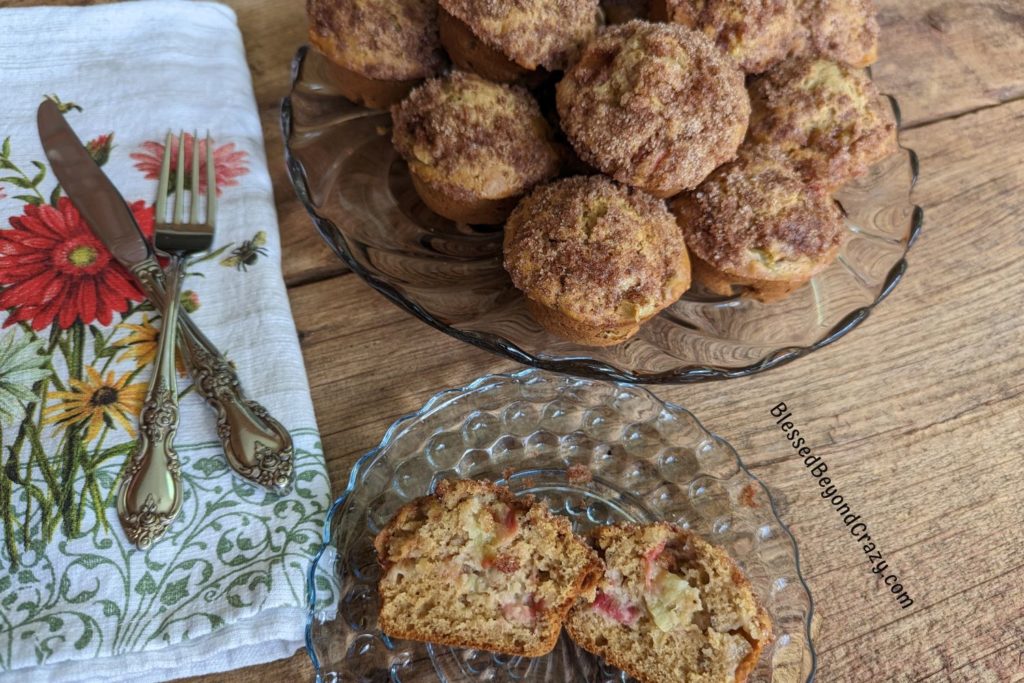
(670, 607)
(378, 50)
(509, 41)
(756, 33)
(655, 106)
(473, 147)
(595, 259)
(475, 566)
(828, 119)
(842, 30)
(756, 225)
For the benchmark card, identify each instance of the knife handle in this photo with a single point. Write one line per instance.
(256, 445)
(150, 494)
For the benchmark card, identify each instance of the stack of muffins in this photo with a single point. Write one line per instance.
(686, 141)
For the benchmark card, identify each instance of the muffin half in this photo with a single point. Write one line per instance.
(842, 30)
(595, 259)
(670, 607)
(755, 224)
(475, 566)
(509, 41)
(473, 147)
(756, 33)
(828, 119)
(655, 106)
(378, 50)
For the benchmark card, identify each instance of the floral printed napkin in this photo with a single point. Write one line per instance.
(225, 587)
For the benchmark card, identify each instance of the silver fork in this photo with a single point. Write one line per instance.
(150, 495)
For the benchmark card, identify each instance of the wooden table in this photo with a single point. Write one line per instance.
(919, 412)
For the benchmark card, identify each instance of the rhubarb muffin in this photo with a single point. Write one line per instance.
(655, 106)
(506, 40)
(670, 607)
(621, 11)
(842, 30)
(756, 33)
(474, 566)
(473, 147)
(378, 50)
(827, 118)
(755, 224)
(595, 259)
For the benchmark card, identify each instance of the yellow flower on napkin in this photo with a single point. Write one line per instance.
(97, 399)
(140, 344)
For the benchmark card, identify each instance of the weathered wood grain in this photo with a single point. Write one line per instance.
(946, 57)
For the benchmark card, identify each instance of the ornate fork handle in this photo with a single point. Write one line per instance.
(150, 494)
(256, 445)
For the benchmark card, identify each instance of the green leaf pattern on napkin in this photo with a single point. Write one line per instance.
(230, 548)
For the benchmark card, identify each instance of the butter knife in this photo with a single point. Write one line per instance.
(256, 445)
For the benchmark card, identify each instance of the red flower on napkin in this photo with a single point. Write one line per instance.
(52, 268)
(228, 163)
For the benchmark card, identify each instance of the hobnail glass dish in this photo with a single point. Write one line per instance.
(650, 461)
(358, 192)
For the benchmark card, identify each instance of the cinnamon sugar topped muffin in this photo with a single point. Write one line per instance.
(756, 33)
(827, 118)
(656, 106)
(595, 259)
(384, 39)
(754, 222)
(473, 147)
(843, 30)
(377, 43)
(530, 34)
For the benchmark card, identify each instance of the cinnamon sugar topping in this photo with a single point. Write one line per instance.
(757, 213)
(595, 250)
(475, 138)
(756, 33)
(827, 118)
(532, 33)
(656, 106)
(381, 39)
(843, 30)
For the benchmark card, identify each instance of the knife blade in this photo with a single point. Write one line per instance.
(90, 190)
(257, 446)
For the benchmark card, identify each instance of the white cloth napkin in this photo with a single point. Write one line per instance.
(225, 588)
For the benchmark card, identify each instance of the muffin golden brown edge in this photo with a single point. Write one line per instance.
(377, 50)
(595, 259)
(473, 147)
(523, 40)
(754, 223)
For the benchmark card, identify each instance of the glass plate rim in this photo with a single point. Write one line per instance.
(437, 399)
(583, 367)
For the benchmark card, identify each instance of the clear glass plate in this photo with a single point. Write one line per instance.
(358, 192)
(650, 461)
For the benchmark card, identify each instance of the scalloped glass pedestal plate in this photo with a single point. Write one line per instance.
(358, 192)
(650, 460)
